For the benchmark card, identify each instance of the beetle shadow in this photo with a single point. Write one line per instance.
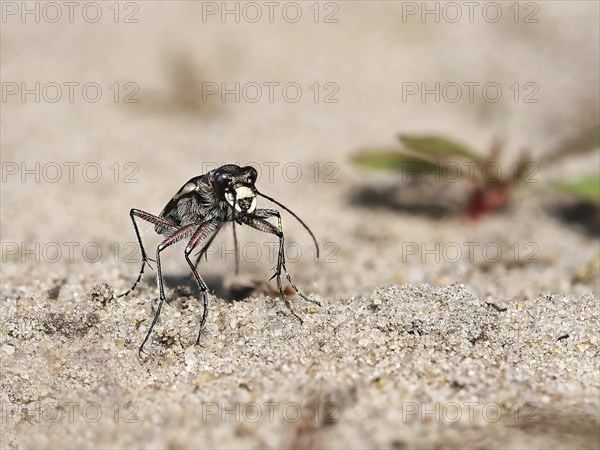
(185, 285)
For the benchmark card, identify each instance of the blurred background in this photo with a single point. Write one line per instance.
(106, 107)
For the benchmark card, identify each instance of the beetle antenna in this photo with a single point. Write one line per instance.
(293, 214)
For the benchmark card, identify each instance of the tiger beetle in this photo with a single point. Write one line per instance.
(198, 211)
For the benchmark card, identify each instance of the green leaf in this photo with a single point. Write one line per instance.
(587, 188)
(391, 160)
(438, 147)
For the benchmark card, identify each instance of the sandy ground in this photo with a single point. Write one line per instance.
(414, 346)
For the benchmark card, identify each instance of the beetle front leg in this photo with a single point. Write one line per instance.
(258, 222)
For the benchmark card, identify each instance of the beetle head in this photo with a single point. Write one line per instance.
(235, 185)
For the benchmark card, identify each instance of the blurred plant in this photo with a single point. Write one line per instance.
(447, 160)
(451, 161)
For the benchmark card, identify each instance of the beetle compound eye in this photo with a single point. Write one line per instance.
(222, 180)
